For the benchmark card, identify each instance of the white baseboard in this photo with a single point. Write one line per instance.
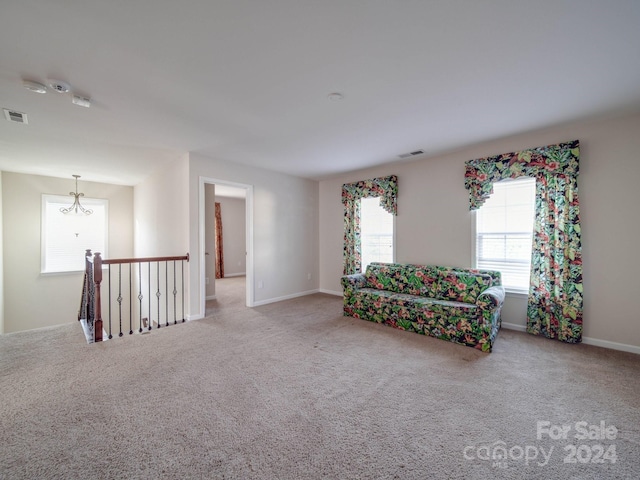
(227, 275)
(210, 297)
(198, 316)
(330, 292)
(611, 345)
(586, 340)
(286, 297)
(514, 326)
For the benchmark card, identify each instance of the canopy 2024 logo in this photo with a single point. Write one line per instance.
(596, 453)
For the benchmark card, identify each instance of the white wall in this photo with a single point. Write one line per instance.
(161, 212)
(33, 300)
(285, 236)
(1, 265)
(233, 235)
(434, 224)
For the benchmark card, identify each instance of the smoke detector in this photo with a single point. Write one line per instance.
(59, 86)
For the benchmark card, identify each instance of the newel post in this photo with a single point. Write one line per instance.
(97, 278)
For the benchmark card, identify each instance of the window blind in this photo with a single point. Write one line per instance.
(376, 232)
(66, 237)
(504, 232)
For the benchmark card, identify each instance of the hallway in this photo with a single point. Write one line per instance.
(230, 295)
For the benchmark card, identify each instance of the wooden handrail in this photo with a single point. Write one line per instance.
(115, 261)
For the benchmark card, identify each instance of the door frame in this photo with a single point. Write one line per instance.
(248, 233)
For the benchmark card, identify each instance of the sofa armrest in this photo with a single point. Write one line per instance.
(491, 298)
(353, 282)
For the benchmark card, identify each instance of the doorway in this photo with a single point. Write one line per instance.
(235, 267)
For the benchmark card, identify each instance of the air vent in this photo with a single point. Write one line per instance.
(13, 116)
(411, 154)
(81, 101)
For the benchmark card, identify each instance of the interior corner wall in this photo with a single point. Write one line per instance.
(434, 223)
(285, 229)
(161, 212)
(33, 300)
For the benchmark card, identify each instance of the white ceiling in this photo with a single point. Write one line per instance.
(247, 81)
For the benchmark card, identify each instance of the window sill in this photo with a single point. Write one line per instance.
(66, 272)
(516, 293)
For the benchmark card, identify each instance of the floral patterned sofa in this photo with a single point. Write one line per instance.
(455, 304)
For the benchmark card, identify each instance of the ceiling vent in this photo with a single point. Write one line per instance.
(411, 154)
(13, 116)
(81, 101)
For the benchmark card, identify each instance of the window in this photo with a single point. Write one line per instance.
(376, 232)
(504, 229)
(66, 237)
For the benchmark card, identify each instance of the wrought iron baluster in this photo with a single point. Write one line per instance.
(158, 290)
(119, 299)
(140, 297)
(166, 291)
(110, 336)
(175, 292)
(130, 303)
(182, 262)
(149, 285)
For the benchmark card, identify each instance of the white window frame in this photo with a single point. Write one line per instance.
(66, 201)
(393, 234)
(474, 256)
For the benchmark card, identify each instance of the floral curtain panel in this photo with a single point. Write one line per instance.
(387, 189)
(555, 301)
(218, 242)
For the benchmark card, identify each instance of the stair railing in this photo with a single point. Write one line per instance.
(127, 277)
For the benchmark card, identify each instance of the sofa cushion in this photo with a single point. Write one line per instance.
(427, 279)
(462, 287)
(408, 279)
(381, 277)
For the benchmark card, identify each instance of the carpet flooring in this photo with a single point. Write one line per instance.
(294, 390)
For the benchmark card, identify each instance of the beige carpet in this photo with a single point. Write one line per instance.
(230, 295)
(295, 390)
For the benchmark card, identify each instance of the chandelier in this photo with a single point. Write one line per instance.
(76, 201)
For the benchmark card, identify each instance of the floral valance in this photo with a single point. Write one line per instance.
(556, 160)
(384, 187)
